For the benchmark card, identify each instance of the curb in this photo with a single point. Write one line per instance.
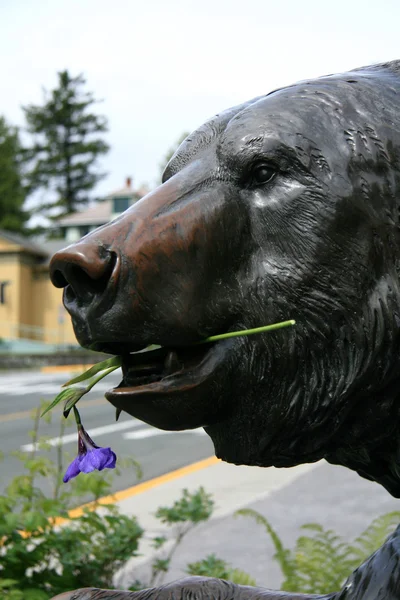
(139, 488)
(64, 368)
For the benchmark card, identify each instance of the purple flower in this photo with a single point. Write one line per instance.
(90, 457)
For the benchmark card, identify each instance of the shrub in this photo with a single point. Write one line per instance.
(41, 557)
(322, 560)
(211, 566)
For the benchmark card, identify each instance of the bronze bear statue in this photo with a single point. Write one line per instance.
(287, 206)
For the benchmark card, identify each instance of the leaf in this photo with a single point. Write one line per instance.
(115, 362)
(158, 542)
(64, 396)
(74, 398)
(161, 565)
(282, 554)
(241, 577)
(35, 594)
(192, 507)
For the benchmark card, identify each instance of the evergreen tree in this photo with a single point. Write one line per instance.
(66, 145)
(12, 192)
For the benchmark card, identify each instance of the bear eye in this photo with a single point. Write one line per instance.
(262, 173)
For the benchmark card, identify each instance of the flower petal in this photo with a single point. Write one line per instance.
(73, 469)
(99, 458)
(112, 459)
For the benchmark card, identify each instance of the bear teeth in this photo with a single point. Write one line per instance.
(172, 363)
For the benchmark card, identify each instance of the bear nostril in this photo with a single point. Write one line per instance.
(58, 279)
(82, 277)
(84, 288)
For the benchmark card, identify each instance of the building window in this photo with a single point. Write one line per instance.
(3, 285)
(84, 230)
(120, 204)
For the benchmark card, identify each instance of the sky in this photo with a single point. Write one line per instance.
(164, 67)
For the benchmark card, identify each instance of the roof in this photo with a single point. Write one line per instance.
(102, 211)
(125, 191)
(98, 214)
(42, 248)
(50, 247)
(24, 242)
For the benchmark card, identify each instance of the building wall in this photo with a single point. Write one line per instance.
(10, 270)
(48, 310)
(33, 306)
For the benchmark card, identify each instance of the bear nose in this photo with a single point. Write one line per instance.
(85, 271)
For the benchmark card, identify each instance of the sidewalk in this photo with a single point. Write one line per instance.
(332, 496)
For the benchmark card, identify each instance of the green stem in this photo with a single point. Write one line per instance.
(59, 461)
(77, 416)
(115, 362)
(35, 439)
(232, 334)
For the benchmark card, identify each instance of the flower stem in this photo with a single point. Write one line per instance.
(232, 334)
(77, 417)
(104, 368)
(59, 461)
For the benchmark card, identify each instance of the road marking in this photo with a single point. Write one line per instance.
(25, 389)
(72, 437)
(24, 414)
(146, 433)
(140, 488)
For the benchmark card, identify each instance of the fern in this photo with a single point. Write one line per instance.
(370, 540)
(322, 560)
(282, 554)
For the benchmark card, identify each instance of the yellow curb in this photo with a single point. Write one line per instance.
(62, 368)
(139, 488)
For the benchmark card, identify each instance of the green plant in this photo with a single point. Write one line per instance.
(183, 516)
(321, 561)
(8, 590)
(211, 566)
(187, 512)
(42, 557)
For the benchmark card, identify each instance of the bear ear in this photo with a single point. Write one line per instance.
(171, 154)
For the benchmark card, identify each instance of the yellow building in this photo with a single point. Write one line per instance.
(30, 306)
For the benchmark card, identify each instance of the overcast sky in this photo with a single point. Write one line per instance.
(163, 67)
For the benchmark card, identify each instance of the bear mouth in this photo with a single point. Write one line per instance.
(168, 369)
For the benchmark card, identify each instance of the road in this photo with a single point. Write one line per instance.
(156, 451)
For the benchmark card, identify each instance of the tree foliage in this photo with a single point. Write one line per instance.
(67, 144)
(12, 192)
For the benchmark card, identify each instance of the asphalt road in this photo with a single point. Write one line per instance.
(157, 452)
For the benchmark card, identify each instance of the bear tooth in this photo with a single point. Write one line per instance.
(171, 363)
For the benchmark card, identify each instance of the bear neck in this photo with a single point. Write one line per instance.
(372, 447)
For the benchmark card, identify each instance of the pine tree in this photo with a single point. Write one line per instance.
(12, 192)
(66, 145)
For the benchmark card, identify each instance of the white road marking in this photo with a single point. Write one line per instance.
(146, 433)
(96, 432)
(23, 389)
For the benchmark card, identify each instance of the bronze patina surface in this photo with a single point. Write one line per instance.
(287, 206)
